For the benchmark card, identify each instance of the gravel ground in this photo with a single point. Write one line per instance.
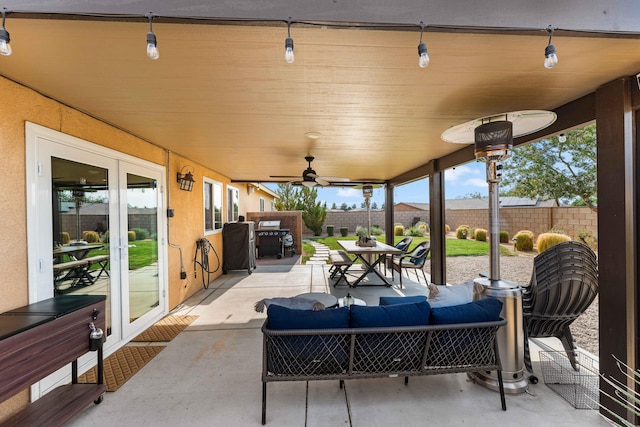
(518, 269)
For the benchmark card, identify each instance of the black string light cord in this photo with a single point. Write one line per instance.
(178, 19)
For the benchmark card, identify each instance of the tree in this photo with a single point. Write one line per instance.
(374, 205)
(334, 206)
(556, 170)
(474, 195)
(288, 197)
(303, 199)
(344, 206)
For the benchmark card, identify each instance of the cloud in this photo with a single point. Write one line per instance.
(476, 182)
(349, 193)
(463, 173)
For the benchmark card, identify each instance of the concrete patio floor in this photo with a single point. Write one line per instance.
(209, 375)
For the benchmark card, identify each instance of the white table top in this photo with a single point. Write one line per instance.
(380, 248)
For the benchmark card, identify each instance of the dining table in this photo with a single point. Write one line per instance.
(77, 269)
(370, 257)
(76, 252)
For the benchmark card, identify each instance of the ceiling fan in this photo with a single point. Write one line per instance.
(310, 178)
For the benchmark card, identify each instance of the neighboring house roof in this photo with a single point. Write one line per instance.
(265, 189)
(483, 203)
(102, 209)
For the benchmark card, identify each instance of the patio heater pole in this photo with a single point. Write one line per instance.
(493, 143)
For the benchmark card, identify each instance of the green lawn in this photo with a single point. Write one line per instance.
(141, 253)
(455, 247)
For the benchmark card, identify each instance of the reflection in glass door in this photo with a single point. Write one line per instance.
(141, 279)
(80, 221)
(142, 209)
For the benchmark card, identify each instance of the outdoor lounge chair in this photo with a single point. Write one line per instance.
(563, 284)
(414, 260)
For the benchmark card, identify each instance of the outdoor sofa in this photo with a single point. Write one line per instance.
(401, 337)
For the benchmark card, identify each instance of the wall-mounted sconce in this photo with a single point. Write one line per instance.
(186, 180)
(250, 188)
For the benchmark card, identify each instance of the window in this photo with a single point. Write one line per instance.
(233, 204)
(261, 204)
(212, 206)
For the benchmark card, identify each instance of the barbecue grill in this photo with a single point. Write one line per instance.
(271, 239)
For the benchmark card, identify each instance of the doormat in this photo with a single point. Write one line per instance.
(122, 365)
(165, 329)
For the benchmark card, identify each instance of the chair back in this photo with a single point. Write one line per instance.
(419, 254)
(563, 285)
(404, 244)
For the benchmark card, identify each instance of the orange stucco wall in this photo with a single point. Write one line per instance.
(19, 105)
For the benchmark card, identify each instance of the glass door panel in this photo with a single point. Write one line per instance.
(142, 207)
(142, 279)
(80, 221)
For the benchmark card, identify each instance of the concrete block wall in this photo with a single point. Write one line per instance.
(570, 220)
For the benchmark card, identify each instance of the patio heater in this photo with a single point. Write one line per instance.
(493, 139)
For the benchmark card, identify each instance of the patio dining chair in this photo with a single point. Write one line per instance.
(563, 284)
(413, 260)
(403, 245)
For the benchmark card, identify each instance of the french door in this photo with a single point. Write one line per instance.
(95, 226)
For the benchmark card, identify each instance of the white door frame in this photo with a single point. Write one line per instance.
(39, 141)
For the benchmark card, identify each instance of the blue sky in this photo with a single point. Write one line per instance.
(459, 181)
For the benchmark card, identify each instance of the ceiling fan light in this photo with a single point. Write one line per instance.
(309, 183)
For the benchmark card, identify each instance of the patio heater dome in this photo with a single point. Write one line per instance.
(494, 140)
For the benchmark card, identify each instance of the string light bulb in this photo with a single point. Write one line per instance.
(5, 47)
(152, 43)
(423, 60)
(288, 45)
(550, 57)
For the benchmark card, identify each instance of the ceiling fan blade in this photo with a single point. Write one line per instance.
(334, 178)
(322, 181)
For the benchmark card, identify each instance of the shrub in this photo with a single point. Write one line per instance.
(141, 233)
(314, 216)
(344, 231)
(131, 236)
(481, 235)
(472, 233)
(330, 230)
(415, 232)
(91, 237)
(546, 240)
(462, 232)
(64, 237)
(376, 230)
(422, 226)
(398, 230)
(588, 238)
(153, 236)
(361, 231)
(504, 237)
(447, 229)
(105, 238)
(524, 240)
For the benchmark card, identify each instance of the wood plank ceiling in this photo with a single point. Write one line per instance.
(224, 96)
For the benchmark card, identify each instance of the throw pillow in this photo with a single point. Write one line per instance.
(445, 296)
(415, 258)
(402, 300)
(484, 310)
(286, 318)
(390, 315)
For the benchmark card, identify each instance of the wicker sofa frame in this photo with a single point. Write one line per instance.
(343, 354)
